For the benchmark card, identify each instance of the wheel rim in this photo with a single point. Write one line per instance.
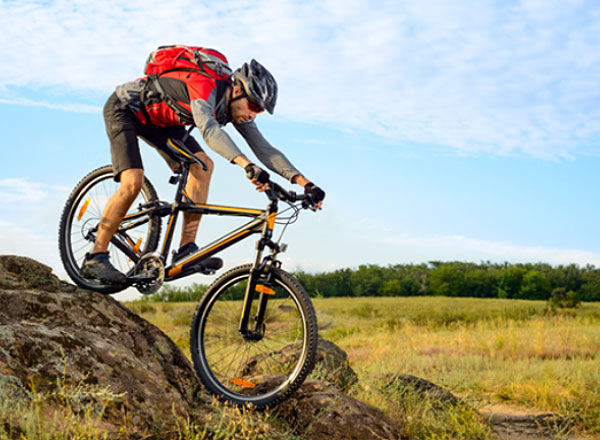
(246, 370)
(84, 216)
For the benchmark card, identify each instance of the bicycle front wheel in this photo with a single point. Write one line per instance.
(79, 225)
(263, 370)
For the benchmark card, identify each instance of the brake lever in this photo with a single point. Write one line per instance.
(309, 205)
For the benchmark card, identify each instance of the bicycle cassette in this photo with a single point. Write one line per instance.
(150, 272)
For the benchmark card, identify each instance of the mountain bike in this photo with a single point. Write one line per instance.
(253, 337)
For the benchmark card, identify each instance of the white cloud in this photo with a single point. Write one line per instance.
(21, 190)
(456, 247)
(29, 220)
(19, 238)
(79, 108)
(492, 77)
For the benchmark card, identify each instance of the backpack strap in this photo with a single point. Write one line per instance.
(181, 112)
(215, 63)
(143, 95)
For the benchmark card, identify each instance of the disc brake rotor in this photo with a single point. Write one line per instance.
(152, 268)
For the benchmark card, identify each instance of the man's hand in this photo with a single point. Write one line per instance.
(257, 176)
(315, 193)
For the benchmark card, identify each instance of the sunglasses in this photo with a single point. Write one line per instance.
(252, 105)
(255, 107)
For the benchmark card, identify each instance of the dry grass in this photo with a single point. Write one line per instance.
(514, 352)
(490, 350)
(487, 351)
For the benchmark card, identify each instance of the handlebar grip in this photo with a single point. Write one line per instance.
(308, 203)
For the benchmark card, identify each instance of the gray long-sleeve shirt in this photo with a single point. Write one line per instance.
(210, 115)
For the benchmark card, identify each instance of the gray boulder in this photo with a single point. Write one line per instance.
(24, 273)
(402, 383)
(331, 363)
(58, 339)
(320, 411)
(333, 366)
(55, 337)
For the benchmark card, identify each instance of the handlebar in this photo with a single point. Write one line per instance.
(277, 192)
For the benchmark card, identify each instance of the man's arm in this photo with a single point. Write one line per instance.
(212, 133)
(273, 159)
(276, 161)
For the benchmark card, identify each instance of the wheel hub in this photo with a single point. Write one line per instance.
(89, 228)
(254, 335)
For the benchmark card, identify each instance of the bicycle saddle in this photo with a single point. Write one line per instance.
(182, 154)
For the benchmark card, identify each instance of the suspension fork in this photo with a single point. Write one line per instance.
(255, 272)
(267, 267)
(260, 267)
(263, 271)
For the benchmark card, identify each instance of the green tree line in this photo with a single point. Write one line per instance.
(486, 280)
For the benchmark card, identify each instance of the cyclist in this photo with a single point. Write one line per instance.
(209, 104)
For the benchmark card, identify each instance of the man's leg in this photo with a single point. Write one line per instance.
(117, 206)
(96, 264)
(197, 189)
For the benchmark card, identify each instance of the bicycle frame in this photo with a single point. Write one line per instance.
(262, 222)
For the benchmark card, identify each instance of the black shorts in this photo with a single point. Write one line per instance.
(123, 129)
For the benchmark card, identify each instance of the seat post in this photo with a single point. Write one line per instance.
(183, 177)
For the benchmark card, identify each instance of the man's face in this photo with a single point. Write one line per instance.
(240, 108)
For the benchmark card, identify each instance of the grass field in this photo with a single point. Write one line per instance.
(490, 352)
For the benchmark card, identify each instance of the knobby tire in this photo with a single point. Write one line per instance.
(214, 337)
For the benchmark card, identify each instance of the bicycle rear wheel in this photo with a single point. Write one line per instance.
(243, 370)
(79, 225)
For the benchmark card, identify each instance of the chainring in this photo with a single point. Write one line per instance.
(151, 266)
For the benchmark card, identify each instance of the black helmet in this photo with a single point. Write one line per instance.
(258, 84)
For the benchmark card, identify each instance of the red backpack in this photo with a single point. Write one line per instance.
(207, 62)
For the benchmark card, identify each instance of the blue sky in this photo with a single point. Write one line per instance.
(465, 130)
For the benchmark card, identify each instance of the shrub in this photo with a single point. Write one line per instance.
(562, 299)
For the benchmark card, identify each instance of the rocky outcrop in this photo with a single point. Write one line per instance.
(56, 337)
(333, 366)
(24, 273)
(331, 363)
(86, 351)
(402, 383)
(321, 412)
(528, 426)
(63, 337)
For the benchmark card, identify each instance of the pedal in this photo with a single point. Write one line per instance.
(212, 263)
(140, 278)
(206, 271)
(208, 266)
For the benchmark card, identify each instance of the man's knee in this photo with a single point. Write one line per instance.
(198, 172)
(131, 182)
